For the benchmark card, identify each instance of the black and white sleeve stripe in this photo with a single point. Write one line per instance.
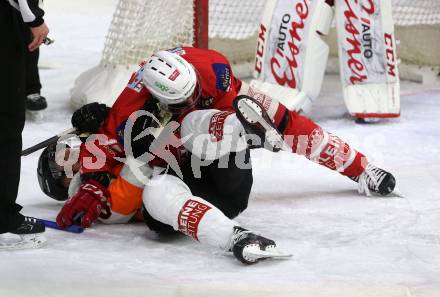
(31, 11)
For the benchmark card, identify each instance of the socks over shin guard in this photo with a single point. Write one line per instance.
(308, 139)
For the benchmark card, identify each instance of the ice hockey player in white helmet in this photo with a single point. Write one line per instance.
(172, 80)
(211, 145)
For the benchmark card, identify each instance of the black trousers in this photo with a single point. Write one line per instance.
(12, 113)
(226, 188)
(33, 84)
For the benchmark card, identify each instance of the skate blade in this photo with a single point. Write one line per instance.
(396, 193)
(35, 116)
(252, 113)
(254, 252)
(393, 194)
(31, 241)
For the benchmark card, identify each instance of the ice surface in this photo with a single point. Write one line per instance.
(343, 244)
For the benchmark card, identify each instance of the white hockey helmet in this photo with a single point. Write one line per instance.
(172, 80)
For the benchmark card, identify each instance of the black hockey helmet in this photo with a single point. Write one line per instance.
(50, 175)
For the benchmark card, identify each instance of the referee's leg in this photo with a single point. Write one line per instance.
(12, 114)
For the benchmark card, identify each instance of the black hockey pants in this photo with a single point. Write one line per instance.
(226, 188)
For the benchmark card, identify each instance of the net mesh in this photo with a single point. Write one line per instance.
(420, 12)
(234, 19)
(140, 27)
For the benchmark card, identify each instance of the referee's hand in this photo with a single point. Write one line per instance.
(38, 35)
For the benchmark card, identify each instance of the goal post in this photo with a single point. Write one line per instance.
(201, 23)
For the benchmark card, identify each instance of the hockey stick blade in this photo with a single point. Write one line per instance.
(47, 142)
(72, 229)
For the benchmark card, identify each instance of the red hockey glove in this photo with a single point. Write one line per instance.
(91, 201)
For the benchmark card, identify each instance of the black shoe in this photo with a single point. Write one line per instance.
(29, 226)
(257, 124)
(246, 246)
(35, 102)
(376, 180)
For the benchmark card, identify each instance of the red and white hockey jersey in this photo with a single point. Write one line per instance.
(214, 117)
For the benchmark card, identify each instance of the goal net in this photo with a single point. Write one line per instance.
(141, 27)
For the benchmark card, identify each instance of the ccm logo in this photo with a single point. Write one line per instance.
(260, 49)
(390, 54)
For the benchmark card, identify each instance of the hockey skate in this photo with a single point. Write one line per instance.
(377, 181)
(250, 248)
(35, 104)
(257, 122)
(30, 232)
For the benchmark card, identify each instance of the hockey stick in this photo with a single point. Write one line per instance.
(47, 142)
(54, 225)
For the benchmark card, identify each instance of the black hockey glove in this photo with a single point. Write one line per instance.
(89, 117)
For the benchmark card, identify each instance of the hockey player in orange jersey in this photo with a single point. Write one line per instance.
(125, 201)
(125, 198)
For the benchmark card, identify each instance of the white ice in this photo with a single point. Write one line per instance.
(343, 244)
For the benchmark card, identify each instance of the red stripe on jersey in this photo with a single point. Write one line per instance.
(217, 124)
